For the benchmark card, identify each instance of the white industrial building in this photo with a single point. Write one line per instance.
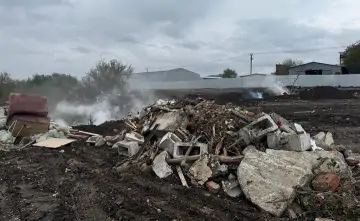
(315, 68)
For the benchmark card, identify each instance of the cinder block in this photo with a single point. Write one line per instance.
(127, 148)
(168, 141)
(180, 149)
(258, 129)
(298, 142)
(262, 126)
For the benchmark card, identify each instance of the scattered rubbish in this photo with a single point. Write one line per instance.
(231, 188)
(213, 187)
(181, 176)
(200, 172)
(261, 156)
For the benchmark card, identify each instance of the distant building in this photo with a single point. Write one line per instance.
(315, 68)
(178, 74)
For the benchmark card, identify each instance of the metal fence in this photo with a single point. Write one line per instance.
(255, 81)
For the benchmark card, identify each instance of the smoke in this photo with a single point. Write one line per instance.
(274, 86)
(106, 107)
(256, 95)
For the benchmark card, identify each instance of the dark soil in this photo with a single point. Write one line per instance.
(324, 92)
(109, 128)
(79, 182)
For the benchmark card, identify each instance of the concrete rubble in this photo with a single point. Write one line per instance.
(222, 148)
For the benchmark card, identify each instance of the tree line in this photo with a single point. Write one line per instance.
(103, 78)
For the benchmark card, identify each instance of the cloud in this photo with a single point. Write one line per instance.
(204, 36)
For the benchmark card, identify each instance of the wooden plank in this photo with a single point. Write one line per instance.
(53, 143)
(181, 176)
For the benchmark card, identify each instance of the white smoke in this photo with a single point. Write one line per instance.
(273, 85)
(107, 107)
(256, 95)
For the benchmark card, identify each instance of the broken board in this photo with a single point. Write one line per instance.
(53, 143)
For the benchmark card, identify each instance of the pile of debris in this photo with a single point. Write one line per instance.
(225, 148)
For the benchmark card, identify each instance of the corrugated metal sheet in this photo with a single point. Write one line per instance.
(256, 81)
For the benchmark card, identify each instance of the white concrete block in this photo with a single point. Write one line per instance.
(168, 141)
(180, 149)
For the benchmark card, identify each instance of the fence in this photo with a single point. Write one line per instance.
(254, 81)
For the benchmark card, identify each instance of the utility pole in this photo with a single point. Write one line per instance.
(251, 60)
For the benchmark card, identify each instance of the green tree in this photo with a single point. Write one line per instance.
(351, 58)
(291, 62)
(105, 77)
(228, 73)
(7, 85)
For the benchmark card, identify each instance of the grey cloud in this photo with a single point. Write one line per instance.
(260, 35)
(157, 33)
(32, 4)
(82, 50)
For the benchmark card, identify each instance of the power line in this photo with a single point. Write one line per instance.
(246, 54)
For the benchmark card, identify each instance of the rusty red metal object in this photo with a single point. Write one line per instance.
(27, 104)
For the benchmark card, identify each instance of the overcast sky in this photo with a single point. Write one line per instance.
(206, 36)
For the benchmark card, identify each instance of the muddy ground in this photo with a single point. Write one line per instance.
(79, 182)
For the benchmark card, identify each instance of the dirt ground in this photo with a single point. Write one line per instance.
(79, 182)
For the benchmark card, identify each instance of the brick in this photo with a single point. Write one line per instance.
(212, 186)
(326, 182)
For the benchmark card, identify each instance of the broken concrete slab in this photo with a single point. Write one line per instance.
(231, 188)
(100, 142)
(180, 149)
(292, 142)
(136, 137)
(168, 141)
(320, 136)
(127, 148)
(248, 149)
(169, 122)
(268, 180)
(160, 167)
(200, 172)
(322, 161)
(329, 140)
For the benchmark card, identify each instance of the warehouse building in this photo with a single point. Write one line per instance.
(315, 68)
